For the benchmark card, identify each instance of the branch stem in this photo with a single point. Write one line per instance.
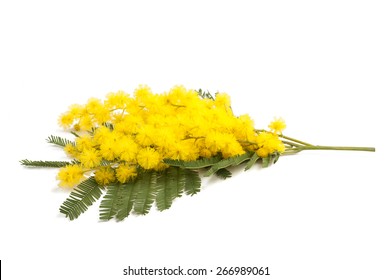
(294, 140)
(333, 148)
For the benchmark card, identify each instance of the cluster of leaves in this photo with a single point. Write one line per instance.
(135, 196)
(138, 195)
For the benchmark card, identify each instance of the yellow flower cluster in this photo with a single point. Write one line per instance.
(123, 134)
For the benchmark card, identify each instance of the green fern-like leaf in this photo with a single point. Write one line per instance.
(192, 182)
(276, 157)
(195, 164)
(45, 163)
(109, 205)
(75, 134)
(232, 161)
(144, 192)
(265, 162)
(271, 159)
(179, 184)
(57, 140)
(223, 173)
(109, 125)
(105, 162)
(125, 200)
(169, 185)
(205, 94)
(83, 196)
(252, 161)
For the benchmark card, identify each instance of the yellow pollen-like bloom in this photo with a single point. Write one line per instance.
(76, 110)
(223, 100)
(124, 173)
(277, 125)
(268, 143)
(70, 175)
(83, 142)
(117, 100)
(85, 122)
(127, 149)
(90, 158)
(148, 158)
(104, 176)
(107, 149)
(65, 120)
(70, 150)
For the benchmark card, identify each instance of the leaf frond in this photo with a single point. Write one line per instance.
(83, 196)
(75, 134)
(276, 157)
(266, 161)
(271, 159)
(108, 125)
(232, 161)
(125, 200)
(223, 173)
(144, 192)
(169, 185)
(205, 94)
(108, 207)
(105, 162)
(45, 163)
(252, 161)
(195, 164)
(192, 182)
(60, 141)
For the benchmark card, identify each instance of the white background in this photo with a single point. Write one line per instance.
(322, 65)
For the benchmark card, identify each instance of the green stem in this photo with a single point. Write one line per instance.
(179, 106)
(285, 137)
(290, 152)
(298, 145)
(294, 140)
(291, 143)
(334, 148)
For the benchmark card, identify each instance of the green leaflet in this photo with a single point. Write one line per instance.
(75, 134)
(137, 195)
(228, 162)
(266, 161)
(271, 159)
(57, 140)
(145, 191)
(251, 162)
(125, 200)
(169, 185)
(223, 173)
(109, 205)
(172, 182)
(276, 157)
(195, 164)
(205, 94)
(108, 125)
(84, 195)
(192, 182)
(105, 162)
(45, 163)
